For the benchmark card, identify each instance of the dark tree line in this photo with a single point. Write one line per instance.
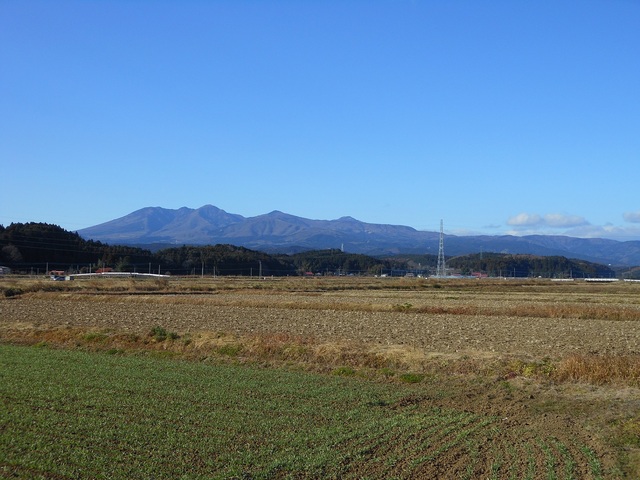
(509, 265)
(36, 247)
(41, 245)
(336, 262)
(222, 260)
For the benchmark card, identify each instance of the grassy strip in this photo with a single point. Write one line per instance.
(75, 414)
(403, 364)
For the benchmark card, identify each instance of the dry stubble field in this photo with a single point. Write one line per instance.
(560, 358)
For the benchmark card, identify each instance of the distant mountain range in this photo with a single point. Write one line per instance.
(156, 227)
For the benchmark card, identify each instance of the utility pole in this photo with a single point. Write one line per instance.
(441, 269)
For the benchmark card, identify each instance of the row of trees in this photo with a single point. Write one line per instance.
(337, 262)
(28, 245)
(506, 265)
(38, 247)
(221, 260)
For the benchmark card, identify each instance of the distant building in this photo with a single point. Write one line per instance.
(57, 275)
(5, 270)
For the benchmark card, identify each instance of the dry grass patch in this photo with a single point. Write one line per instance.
(426, 305)
(386, 360)
(600, 369)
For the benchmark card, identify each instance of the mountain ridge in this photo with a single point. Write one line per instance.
(278, 231)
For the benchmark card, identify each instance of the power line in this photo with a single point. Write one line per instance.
(441, 269)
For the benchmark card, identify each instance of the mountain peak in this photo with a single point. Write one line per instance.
(279, 231)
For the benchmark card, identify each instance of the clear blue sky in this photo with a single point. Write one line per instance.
(495, 116)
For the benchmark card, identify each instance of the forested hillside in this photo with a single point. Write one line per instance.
(221, 260)
(36, 248)
(507, 265)
(339, 263)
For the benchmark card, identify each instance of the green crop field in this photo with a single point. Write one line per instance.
(77, 414)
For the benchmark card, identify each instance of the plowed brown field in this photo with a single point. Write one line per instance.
(497, 345)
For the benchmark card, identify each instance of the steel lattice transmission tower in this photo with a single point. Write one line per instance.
(441, 270)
